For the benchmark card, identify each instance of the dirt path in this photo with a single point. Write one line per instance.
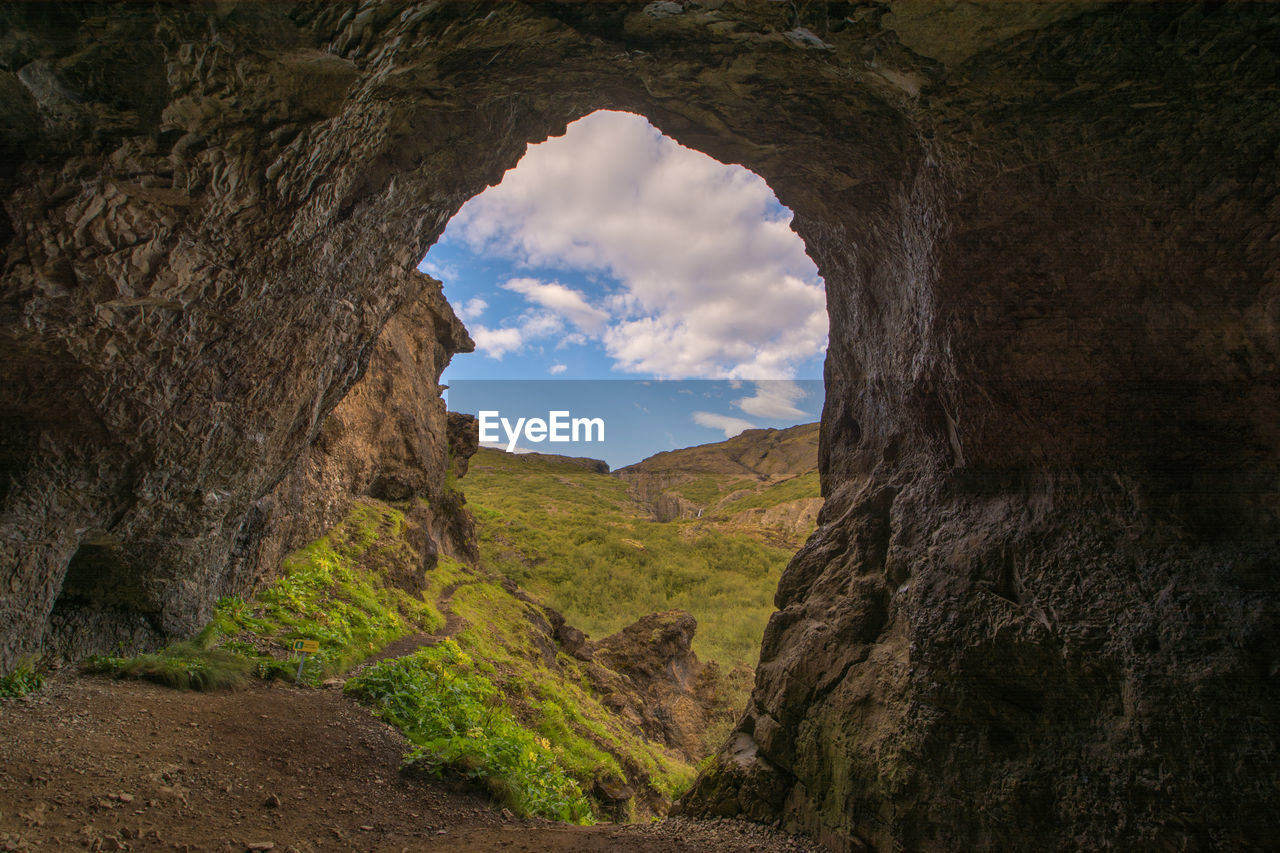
(453, 623)
(94, 763)
(407, 645)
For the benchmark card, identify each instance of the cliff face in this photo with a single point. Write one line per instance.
(648, 674)
(390, 438)
(1040, 608)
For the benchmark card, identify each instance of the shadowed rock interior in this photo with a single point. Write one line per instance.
(1040, 607)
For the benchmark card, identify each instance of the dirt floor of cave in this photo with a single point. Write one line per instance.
(94, 763)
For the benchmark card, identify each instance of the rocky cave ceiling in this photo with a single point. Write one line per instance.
(1045, 576)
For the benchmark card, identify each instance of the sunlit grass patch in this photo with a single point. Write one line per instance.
(796, 488)
(553, 697)
(582, 558)
(460, 723)
(327, 594)
(333, 591)
(185, 666)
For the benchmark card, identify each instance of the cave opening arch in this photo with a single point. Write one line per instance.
(1048, 450)
(357, 156)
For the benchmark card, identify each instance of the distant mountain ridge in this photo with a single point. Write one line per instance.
(763, 482)
(755, 452)
(597, 466)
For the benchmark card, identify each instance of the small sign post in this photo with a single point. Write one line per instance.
(306, 647)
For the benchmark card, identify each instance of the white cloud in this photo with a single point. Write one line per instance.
(531, 326)
(775, 400)
(540, 324)
(472, 309)
(714, 283)
(496, 343)
(557, 369)
(565, 301)
(571, 339)
(439, 271)
(730, 425)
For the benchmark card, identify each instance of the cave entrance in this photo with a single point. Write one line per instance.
(614, 251)
(614, 255)
(617, 275)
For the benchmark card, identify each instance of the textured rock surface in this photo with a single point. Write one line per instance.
(652, 678)
(389, 438)
(1040, 609)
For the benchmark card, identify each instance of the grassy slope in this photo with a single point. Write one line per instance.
(582, 543)
(498, 702)
(751, 454)
(799, 487)
(770, 467)
(332, 591)
(495, 703)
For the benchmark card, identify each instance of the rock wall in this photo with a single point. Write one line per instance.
(648, 674)
(390, 438)
(1040, 609)
(1040, 606)
(179, 321)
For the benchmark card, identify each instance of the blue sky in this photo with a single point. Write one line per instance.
(613, 252)
(639, 417)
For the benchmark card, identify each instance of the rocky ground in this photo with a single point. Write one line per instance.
(94, 763)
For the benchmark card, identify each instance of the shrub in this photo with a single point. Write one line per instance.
(23, 680)
(186, 666)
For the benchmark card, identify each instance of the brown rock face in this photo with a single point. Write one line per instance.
(651, 677)
(389, 438)
(1040, 608)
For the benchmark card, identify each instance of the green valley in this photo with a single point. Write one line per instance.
(486, 669)
(706, 529)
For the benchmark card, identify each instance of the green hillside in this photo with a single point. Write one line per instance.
(463, 664)
(590, 544)
(480, 677)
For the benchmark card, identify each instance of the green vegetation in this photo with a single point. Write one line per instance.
(577, 539)
(186, 666)
(796, 488)
(550, 691)
(499, 702)
(23, 680)
(332, 591)
(708, 489)
(496, 704)
(460, 721)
